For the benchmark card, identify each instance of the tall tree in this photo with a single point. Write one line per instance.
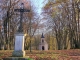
(65, 25)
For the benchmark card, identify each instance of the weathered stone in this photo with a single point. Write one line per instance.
(18, 53)
(19, 45)
(15, 58)
(19, 41)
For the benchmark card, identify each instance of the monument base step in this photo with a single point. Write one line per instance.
(17, 58)
(18, 53)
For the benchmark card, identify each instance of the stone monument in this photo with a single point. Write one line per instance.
(43, 44)
(19, 36)
(19, 45)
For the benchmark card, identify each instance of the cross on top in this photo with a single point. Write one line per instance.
(21, 10)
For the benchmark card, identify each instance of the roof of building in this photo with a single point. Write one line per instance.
(42, 36)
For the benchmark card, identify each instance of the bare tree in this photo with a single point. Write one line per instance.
(65, 22)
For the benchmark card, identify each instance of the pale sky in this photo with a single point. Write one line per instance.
(38, 4)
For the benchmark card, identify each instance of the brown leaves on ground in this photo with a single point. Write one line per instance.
(48, 55)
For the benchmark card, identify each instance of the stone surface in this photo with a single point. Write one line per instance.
(18, 53)
(19, 42)
(17, 58)
(19, 45)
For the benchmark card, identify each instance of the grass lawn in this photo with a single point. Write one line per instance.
(73, 54)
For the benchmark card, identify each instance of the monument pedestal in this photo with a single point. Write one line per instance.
(18, 53)
(19, 45)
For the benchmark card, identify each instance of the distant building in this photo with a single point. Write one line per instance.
(43, 44)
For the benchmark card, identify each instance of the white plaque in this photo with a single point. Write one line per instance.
(19, 42)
